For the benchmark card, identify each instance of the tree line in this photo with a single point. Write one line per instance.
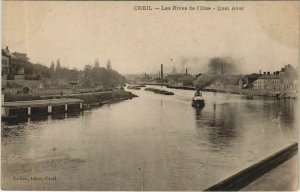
(90, 76)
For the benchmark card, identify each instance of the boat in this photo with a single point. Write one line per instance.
(134, 87)
(149, 89)
(198, 100)
(159, 91)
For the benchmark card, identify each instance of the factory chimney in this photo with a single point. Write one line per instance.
(186, 72)
(161, 71)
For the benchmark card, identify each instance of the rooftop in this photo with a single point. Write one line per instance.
(269, 76)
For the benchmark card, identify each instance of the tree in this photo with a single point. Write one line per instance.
(94, 76)
(108, 65)
(97, 64)
(52, 68)
(58, 65)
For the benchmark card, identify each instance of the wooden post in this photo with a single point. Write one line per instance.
(29, 111)
(49, 109)
(66, 107)
(4, 111)
(80, 106)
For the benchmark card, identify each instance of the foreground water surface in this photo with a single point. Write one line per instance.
(153, 142)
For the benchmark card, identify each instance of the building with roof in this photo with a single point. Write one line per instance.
(13, 65)
(226, 82)
(181, 79)
(268, 82)
(5, 64)
(247, 81)
(288, 79)
(283, 81)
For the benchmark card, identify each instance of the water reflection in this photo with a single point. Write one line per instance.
(12, 131)
(40, 118)
(221, 124)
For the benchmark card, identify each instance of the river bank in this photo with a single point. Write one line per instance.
(247, 92)
(251, 92)
(92, 98)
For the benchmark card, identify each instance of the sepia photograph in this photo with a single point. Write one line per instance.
(150, 95)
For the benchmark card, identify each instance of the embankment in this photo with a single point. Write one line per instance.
(248, 175)
(97, 99)
(94, 98)
(252, 92)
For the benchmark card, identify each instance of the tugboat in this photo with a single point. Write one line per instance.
(198, 100)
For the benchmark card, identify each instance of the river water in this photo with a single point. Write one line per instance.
(152, 142)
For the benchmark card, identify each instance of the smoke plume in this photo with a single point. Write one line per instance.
(217, 67)
(221, 66)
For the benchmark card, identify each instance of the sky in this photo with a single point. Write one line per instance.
(265, 35)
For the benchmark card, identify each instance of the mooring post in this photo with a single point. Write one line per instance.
(80, 106)
(5, 111)
(66, 107)
(29, 111)
(49, 109)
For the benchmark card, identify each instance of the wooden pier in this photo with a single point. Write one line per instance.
(35, 107)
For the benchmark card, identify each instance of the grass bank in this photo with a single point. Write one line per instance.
(88, 98)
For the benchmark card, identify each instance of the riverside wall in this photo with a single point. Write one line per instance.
(246, 176)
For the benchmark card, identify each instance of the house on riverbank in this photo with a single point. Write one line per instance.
(247, 81)
(13, 65)
(283, 83)
(181, 79)
(226, 83)
(267, 81)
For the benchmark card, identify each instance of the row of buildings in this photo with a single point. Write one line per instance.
(280, 82)
(13, 65)
(182, 79)
(175, 79)
(284, 81)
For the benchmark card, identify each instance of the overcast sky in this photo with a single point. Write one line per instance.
(263, 36)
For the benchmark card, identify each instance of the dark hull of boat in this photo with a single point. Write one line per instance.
(198, 103)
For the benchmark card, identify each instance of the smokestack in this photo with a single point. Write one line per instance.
(186, 71)
(268, 72)
(162, 71)
(264, 73)
(259, 71)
